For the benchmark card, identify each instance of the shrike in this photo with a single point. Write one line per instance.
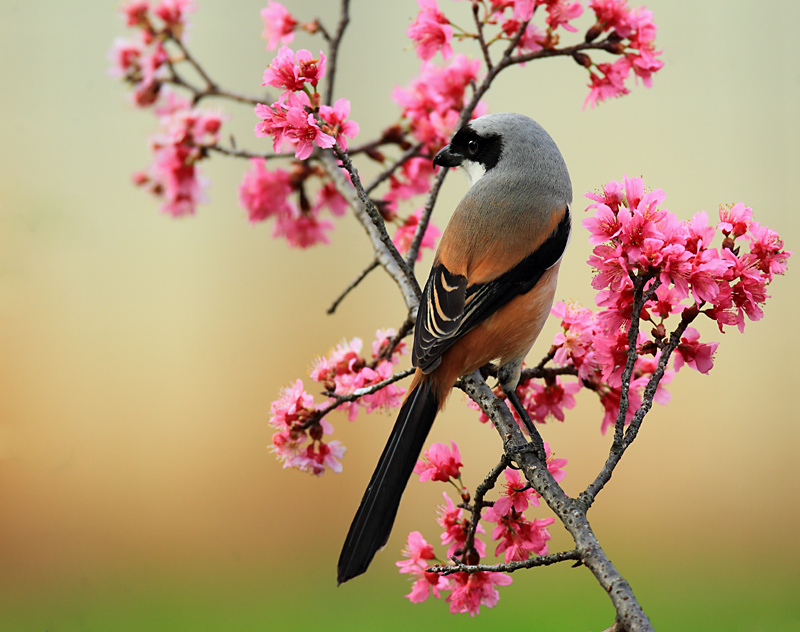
(488, 295)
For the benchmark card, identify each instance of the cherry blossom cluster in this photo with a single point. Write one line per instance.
(142, 60)
(629, 33)
(633, 236)
(433, 101)
(177, 147)
(518, 538)
(185, 131)
(347, 378)
(633, 32)
(285, 196)
(685, 275)
(297, 117)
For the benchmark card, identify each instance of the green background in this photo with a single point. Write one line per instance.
(139, 354)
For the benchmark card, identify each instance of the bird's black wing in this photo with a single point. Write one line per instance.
(450, 308)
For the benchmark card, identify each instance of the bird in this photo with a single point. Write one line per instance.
(489, 292)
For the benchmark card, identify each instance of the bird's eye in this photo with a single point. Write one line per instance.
(472, 147)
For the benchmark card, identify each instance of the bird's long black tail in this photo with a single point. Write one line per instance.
(373, 522)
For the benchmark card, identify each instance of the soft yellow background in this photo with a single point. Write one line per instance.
(139, 354)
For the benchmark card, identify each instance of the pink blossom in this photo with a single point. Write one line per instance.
(439, 463)
(614, 15)
(708, 272)
(272, 123)
(135, 12)
(560, 12)
(433, 101)
(287, 120)
(142, 63)
(735, 220)
(555, 466)
(381, 343)
(338, 126)
(419, 552)
(519, 537)
(603, 225)
(173, 13)
(388, 397)
(431, 31)
(328, 196)
(451, 519)
(610, 85)
(301, 229)
(319, 455)
(610, 400)
(550, 399)
(515, 497)
(613, 195)
(767, 247)
(471, 590)
(302, 129)
(293, 405)
(266, 193)
(291, 71)
(405, 234)
(279, 25)
(177, 147)
(691, 351)
(532, 40)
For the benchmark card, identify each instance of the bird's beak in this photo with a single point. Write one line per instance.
(448, 158)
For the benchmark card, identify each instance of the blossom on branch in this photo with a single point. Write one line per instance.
(405, 234)
(470, 591)
(279, 25)
(432, 103)
(419, 552)
(294, 418)
(177, 148)
(431, 31)
(439, 463)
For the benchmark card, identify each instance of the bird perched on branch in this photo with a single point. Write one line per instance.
(487, 297)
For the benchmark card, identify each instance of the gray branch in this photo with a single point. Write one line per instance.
(370, 219)
(571, 512)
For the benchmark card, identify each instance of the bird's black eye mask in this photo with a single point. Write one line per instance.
(485, 150)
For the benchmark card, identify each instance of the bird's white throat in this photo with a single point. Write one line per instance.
(474, 170)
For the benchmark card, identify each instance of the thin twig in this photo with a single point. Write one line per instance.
(387, 173)
(510, 567)
(424, 220)
(481, 39)
(404, 275)
(333, 51)
(588, 496)
(571, 512)
(404, 330)
(338, 400)
(478, 504)
(212, 89)
(639, 300)
(240, 153)
(361, 276)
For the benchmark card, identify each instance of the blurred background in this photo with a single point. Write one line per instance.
(139, 354)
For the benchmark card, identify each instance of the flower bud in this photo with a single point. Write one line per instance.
(593, 33)
(582, 59)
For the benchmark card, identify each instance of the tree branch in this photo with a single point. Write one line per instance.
(353, 284)
(333, 53)
(370, 218)
(571, 512)
(338, 399)
(510, 567)
(587, 497)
